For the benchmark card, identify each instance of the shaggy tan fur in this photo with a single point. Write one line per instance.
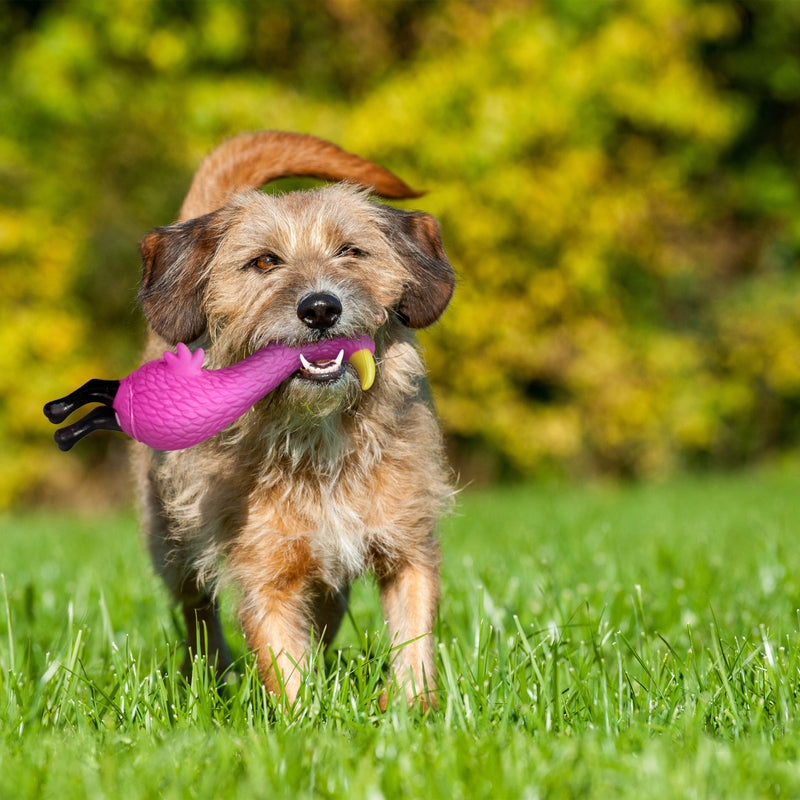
(317, 482)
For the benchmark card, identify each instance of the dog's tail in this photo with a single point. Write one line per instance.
(250, 160)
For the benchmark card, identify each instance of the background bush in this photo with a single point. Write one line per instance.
(617, 184)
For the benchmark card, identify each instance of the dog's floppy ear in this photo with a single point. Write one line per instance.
(174, 261)
(417, 238)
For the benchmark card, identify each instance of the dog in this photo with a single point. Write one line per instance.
(321, 480)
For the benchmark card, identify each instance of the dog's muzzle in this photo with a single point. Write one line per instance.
(320, 311)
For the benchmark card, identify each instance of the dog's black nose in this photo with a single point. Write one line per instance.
(319, 310)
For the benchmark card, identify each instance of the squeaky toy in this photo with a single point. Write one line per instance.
(172, 402)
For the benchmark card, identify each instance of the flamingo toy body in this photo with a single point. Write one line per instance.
(172, 402)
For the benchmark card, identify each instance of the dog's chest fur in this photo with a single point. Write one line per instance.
(320, 507)
(340, 540)
(327, 502)
(329, 488)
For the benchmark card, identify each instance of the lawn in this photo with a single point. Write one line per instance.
(600, 642)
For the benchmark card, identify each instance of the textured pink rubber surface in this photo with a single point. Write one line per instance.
(173, 403)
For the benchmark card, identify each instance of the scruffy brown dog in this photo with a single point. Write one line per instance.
(321, 480)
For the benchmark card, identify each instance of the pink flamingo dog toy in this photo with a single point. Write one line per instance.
(172, 402)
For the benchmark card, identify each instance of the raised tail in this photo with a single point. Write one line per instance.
(250, 160)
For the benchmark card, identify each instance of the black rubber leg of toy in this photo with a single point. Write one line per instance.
(100, 419)
(93, 391)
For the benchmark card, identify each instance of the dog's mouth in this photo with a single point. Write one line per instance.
(330, 370)
(326, 370)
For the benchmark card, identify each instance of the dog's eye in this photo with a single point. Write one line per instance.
(266, 262)
(350, 251)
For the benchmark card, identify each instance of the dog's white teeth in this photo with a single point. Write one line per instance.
(362, 360)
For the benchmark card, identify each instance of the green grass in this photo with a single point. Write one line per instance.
(638, 642)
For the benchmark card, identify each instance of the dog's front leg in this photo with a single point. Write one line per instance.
(274, 613)
(277, 628)
(410, 596)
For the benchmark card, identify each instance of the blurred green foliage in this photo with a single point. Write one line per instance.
(617, 183)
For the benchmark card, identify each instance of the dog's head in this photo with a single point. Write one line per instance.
(295, 268)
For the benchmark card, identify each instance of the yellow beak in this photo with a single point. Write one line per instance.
(364, 363)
